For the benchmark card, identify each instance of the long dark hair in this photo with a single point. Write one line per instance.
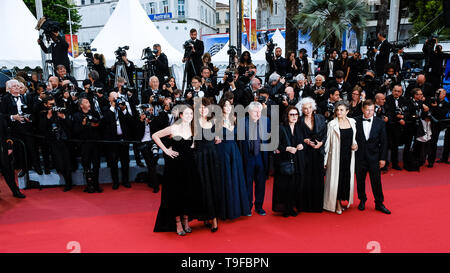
(249, 60)
(286, 114)
(181, 108)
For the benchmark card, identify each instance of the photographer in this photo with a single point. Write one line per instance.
(440, 108)
(302, 62)
(275, 85)
(61, 73)
(59, 49)
(397, 111)
(287, 99)
(100, 67)
(194, 50)
(319, 89)
(230, 83)
(423, 84)
(19, 117)
(356, 68)
(302, 89)
(154, 96)
(277, 63)
(86, 126)
(195, 91)
(344, 87)
(148, 148)
(209, 83)
(326, 108)
(389, 79)
(434, 62)
(328, 66)
(247, 95)
(381, 54)
(129, 66)
(369, 84)
(128, 93)
(161, 64)
(118, 126)
(396, 59)
(263, 98)
(56, 127)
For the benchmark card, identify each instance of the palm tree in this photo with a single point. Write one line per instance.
(326, 20)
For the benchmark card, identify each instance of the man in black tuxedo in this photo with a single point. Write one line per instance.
(344, 88)
(277, 63)
(302, 62)
(382, 54)
(117, 126)
(6, 149)
(329, 66)
(193, 57)
(161, 65)
(397, 110)
(371, 155)
(59, 49)
(302, 89)
(16, 112)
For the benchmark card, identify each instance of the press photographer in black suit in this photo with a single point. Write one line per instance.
(371, 155)
(302, 62)
(18, 115)
(56, 126)
(6, 149)
(59, 49)
(439, 109)
(161, 64)
(129, 67)
(381, 54)
(118, 123)
(86, 126)
(434, 62)
(344, 88)
(277, 62)
(149, 149)
(61, 73)
(194, 50)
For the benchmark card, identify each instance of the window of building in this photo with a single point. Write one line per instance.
(83, 2)
(181, 5)
(165, 5)
(92, 1)
(151, 8)
(217, 18)
(227, 18)
(202, 15)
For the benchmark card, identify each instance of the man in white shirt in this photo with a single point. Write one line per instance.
(371, 155)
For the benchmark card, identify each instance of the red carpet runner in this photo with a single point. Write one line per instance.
(122, 221)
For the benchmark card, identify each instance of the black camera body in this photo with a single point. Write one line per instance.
(57, 109)
(271, 45)
(121, 101)
(25, 112)
(149, 54)
(88, 54)
(188, 46)
(180, 100)
(121, 52)
(48, 27)
(230, 76)
(91, 120)
(141, 109)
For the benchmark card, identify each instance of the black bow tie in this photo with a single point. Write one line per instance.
(368, 119)
(17, 98)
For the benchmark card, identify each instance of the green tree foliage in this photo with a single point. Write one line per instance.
(326, 20)
(58, 14)
(422, 12)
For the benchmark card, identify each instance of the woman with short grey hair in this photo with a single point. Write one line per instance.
(314, 130)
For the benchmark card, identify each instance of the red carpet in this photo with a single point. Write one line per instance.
(123, 220)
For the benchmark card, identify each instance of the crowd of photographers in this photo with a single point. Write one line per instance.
(59, 119)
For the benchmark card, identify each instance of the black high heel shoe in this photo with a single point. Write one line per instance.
(181, 233)
(214, 229)
(188, 229)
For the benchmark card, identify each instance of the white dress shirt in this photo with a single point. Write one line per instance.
(367, 126)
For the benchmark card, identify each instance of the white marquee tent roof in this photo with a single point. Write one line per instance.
(278, 39)
(222, 57)
(19, 38)
(129, 25)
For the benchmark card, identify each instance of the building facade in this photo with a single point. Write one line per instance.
(222, 18)
(173, 18)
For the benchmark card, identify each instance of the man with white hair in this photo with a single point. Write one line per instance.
(256, 161)
(302, 89)
(18, 113)
(275, 85)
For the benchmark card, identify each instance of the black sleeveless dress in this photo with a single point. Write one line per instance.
(209, 177)
(178, 192)
(344, 164)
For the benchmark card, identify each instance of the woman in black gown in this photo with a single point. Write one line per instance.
(314, 128)
(235, 197)
(207, 167)
(178, 192)
(285, 185)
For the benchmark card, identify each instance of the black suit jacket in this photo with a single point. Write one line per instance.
(383, 57)
(375, 148)
(109, 124)
(59, 51)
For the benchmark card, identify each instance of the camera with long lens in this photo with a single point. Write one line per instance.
(88, 54)
(57, 92)
(91, 120)
(96, 90)
(281, 97)
(128, 88)
(180, 100)
(155, 150)
(48, 27)
(271, 45)
(400, 110)
(188, 46)
(142, 110)
(121, 101)
(121, 52)
(230, 76)
(261, 99)
(25, 112)
(149, 54)
(396, 46)
(289, 77)
(57, 109)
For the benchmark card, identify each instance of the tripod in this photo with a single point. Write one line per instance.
(149, 71)
(185, 72)
(121, 72)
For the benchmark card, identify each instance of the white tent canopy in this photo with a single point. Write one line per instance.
(19, 38)
(260, 56)
(222, 57)
(130, 26)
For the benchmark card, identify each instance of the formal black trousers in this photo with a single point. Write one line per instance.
(151, 162)
(446, 151)
(61, 155)
(8, 172)
(362, 168)
(118, 152)
(90, 158)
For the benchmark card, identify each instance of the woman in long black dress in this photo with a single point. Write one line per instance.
(285, 185)
(178, 192)
(235, 197)
(314, 128)
(208, 167)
